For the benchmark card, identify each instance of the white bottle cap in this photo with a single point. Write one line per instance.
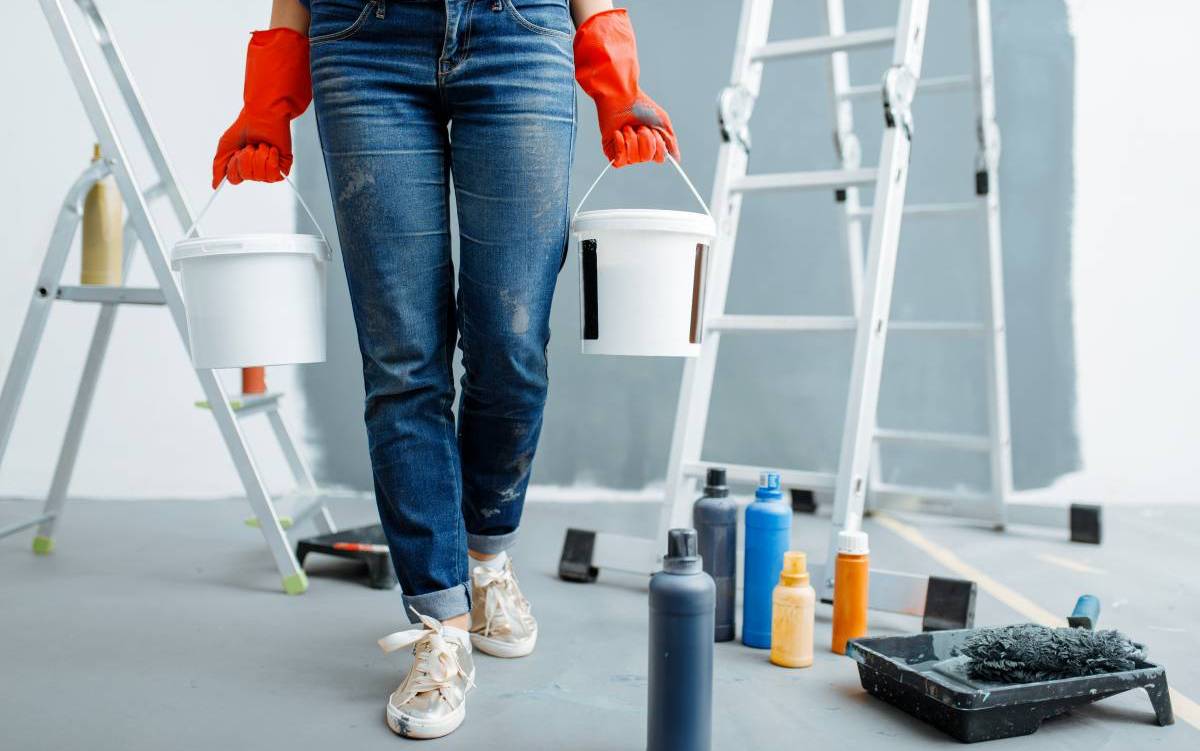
(852, 543)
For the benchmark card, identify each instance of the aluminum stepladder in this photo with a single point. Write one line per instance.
(996, 506)
(586, 552)
(942, 602)
(140, 228)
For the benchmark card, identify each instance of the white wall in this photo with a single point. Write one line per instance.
(1137, 250)
(145, 438)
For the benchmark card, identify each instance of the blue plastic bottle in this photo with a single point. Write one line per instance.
(768, 537)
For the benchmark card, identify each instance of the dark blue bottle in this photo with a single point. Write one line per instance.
(715, 517)
(681, 650)
(768, 537)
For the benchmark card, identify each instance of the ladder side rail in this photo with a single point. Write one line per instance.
(258, 496)
(999, 426)
(691, 414)
(871, 337)
(141, 118)
(49, 277)
(68, 453)
(849, 151)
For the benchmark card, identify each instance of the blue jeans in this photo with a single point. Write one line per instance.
(407, 94)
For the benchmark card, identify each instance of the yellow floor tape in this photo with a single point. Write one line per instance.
(1185, 709)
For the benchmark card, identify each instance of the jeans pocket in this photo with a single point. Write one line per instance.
(545, 13)
(337, 20)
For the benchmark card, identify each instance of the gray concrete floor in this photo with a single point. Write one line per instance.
(160, 625)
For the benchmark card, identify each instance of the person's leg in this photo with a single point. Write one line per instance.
(383, 131)
(512, 105)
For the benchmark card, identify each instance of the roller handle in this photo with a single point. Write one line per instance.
(1086, 613)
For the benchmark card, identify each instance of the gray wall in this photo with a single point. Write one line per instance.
(779, 399)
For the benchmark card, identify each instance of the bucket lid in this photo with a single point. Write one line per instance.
(660, 220)
(249, 244)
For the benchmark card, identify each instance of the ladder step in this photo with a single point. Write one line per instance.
(782, 323)
(111, 294)
(932, 494)
(926, 209)
(795, 478)
(937, 83)
(833, 323)
(246, 405)
(937, 327)
(852, 40)
(963, 441)
(813, 180)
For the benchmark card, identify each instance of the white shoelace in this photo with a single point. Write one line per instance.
(503, 599)
(436, 663)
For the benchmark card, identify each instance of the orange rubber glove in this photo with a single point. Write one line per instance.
(258, 146)
(632, 127)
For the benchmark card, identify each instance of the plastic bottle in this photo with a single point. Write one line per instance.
(793, 607)
(102, 232)
(681, 650)
(254, 380)
(851, 574)
(715, 517)
(768, 536)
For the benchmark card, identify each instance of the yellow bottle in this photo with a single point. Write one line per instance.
(793, 604)
(102, 232)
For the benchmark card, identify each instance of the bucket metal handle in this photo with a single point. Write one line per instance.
(674, 164)
(224, 181)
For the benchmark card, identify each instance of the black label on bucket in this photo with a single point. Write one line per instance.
(591, 316)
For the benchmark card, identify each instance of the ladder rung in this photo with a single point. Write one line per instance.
(252, 404)
(111, 294)
(963, 441)
(851, 40)
(833, 323)
(926, 209)
(937, 327)
(782, 323)
(939, 83)
(933, 494)
(795, 478)
(816, 179)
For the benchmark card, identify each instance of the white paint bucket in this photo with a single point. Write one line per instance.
(642, 276)
(253, 299)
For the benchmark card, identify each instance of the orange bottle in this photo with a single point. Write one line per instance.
(254, 380)
(793, 604)
(851, 574)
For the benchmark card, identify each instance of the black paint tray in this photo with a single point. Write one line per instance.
(921, 675)
(380, 574)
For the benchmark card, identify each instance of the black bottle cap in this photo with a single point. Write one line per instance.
(683, 552)
(714, 483)
(682, 543)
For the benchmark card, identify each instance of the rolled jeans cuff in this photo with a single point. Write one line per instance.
(443, 604)
(491, 544)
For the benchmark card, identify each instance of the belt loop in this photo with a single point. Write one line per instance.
(380, 8)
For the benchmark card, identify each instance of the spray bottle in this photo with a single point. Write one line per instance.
(851, 574)
(681, 650)
(793, 607)
(768, 536)
(715, 517)
(102, 232)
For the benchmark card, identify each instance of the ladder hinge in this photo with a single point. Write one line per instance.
(899, 86)
(734, 105)
(987, 158)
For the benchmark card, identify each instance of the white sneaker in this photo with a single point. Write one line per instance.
(431, 701)
(501, 622)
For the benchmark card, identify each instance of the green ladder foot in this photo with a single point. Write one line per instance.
(43, 545)
(296, 584)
